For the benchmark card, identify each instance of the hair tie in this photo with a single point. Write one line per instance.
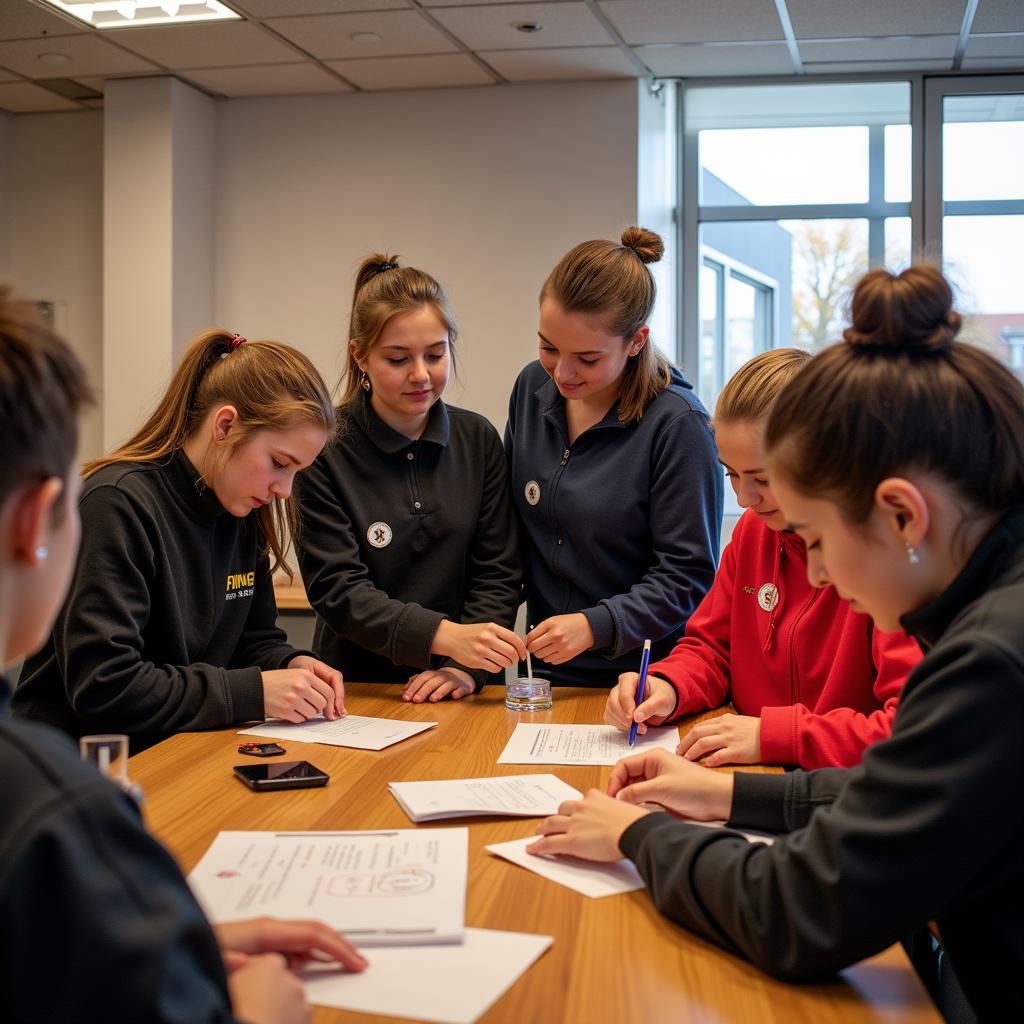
(381, 267)
(236, 341)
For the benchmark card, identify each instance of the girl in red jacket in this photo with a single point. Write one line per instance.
(812, 681)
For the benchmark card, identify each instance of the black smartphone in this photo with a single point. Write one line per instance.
(261, 749)
(281, 775)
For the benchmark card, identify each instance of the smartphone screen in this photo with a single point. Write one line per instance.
(281, 775)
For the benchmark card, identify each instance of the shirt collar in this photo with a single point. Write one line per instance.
(187, 485)
(5, 697)
(552, 407)
(391, 441)
(989, 561)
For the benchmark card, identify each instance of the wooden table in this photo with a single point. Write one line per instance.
(614, 960)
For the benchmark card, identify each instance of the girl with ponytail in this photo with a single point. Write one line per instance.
(898, 458)
(408, 543)
(614, 472)
(170, 621)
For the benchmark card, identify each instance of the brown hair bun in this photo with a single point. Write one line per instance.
(646, 244)
(911, 312)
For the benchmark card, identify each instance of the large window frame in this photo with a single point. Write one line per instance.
(925, 209)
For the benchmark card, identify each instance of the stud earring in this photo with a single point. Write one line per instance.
(912, 556)
(364, 382)
(41, 553)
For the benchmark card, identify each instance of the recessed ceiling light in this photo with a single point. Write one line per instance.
(529, 26)
(366, 38)
(138, 13)
(54, 58)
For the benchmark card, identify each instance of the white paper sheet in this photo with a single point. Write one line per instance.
(754, 837)
(526, 796)
(580, 744)
(588, 877)
(351, 731)
(443, 984)
(389, 888)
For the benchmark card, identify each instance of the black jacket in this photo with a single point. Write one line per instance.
(929, 827)
(98, 924)
(398, 535)
(170, 617)
(621, 525)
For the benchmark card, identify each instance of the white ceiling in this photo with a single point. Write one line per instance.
(49, 62)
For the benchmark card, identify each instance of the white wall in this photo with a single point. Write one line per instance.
(55, 218)
(485, 188)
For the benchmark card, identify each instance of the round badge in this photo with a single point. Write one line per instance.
(379, 535)
(532, 492)
(768, 596)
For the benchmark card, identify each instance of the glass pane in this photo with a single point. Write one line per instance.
(897, 163)
(981, 256)
(983, 147)
(740, 314)
(787, 283)
(775, 166)
(785, 144)
(828, 258)
(897, 243)
(709, 328)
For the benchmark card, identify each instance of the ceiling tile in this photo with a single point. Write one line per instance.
(863, 67)
(217, 44)
(494, 28)
(330, 35)
(474, 3)
(693, 21)
(999, 16)
(548, 65)
(28, 98)
(437, 70)
(22, 20)
(90, 55)
(996, 46)
(888, 48)
(267, 80)
(710, 59)
(831, 19)
(280, 8)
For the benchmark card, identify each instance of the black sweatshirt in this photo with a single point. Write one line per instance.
(929, 827)
(398, 535)
(170, 617)
(98, 924)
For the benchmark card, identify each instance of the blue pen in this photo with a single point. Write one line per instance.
(641, 686)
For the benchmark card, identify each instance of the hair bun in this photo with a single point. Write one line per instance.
(911, 312)
(373, 265)
(646, 244)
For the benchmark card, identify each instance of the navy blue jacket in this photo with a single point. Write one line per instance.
(622, 525)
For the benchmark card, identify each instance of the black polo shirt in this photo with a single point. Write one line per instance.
(397, 535)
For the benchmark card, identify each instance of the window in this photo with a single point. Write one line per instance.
(799, 189)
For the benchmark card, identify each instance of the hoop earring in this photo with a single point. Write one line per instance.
(364, 382)
(912, 556)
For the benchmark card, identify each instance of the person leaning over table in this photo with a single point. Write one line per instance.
(407, 543)
(613, 469)
(898, 457)
(812, 681)
(98, 924)
(170, 623)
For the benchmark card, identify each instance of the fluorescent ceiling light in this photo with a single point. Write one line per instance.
(137, 13)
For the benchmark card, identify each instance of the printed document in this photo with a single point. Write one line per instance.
(580, 744)
(351, 731)
(525, 796)
(445, 984)
(387, 888)
(588, 877)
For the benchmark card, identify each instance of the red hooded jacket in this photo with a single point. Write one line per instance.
(824, 682)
